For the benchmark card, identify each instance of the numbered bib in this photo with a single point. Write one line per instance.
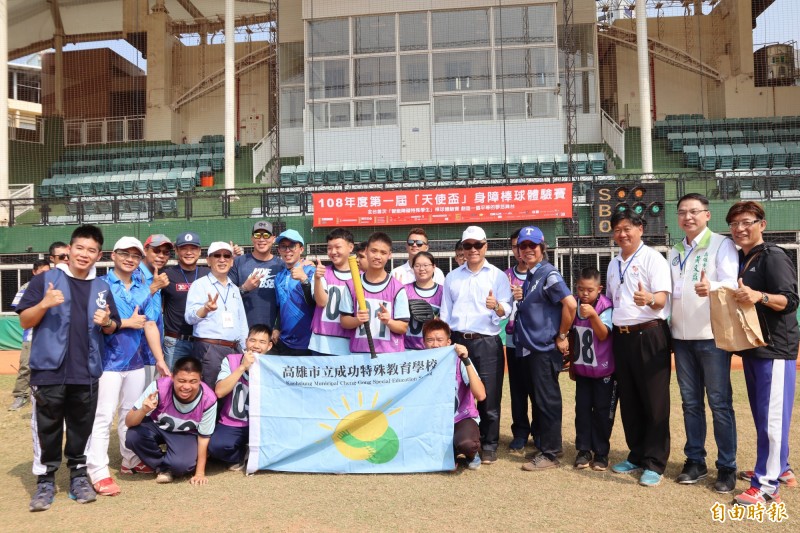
(239, 405)
(176, 425)
(585, 354)
(331, 312)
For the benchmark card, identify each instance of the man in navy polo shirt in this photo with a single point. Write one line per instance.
(71, 311)
(178, 332)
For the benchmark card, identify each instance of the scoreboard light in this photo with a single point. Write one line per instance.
(645, 200)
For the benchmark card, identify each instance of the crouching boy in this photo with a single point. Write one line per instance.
(229, 441)
(179, 412)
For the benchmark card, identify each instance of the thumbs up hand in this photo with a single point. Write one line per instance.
(52, 297)
(319, 273)
(641, 297)
(136, 321)
(491, 302)
(237, 250)
(298, 273)
(703, 287)
(746, 295)
(516, 292)
(102, 316)
(159, 281)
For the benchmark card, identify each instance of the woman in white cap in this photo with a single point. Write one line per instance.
(214, 307)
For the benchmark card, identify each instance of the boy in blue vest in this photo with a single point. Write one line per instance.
(593, 371)
(71, 311)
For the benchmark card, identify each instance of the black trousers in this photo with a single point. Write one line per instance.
(53, 407)
(643, 372)
(211, 355)
(595, 408)
(520, 420)
(541, 381)
(487, 356)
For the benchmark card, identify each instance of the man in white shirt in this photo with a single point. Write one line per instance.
(477, 295)
(639, 286)
(702, 262)
(416, 242)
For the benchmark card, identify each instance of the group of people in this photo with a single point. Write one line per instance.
(167, 349)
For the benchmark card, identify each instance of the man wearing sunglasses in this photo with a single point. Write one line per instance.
(254, 273)
(214, 307)
(416, 242)
(477, 295)
(157, 251)
(59, 253)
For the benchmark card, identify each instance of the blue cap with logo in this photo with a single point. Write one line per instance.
(291, 235)
(531, 234)
(188, 237)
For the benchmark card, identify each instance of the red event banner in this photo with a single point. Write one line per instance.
(443, 206)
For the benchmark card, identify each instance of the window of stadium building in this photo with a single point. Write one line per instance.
(464, 62)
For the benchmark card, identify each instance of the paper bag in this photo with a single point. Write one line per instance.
(735, 325)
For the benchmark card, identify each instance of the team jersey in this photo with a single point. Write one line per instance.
(197, 417)
(235, 406)
(328, 336)
(389, 293)
(595, 358)
(433, 296)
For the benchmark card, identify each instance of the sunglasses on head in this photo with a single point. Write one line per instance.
(471, 245)
(262, 235)
(416, 242)
(218, 255)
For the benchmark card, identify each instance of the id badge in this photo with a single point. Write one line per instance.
(227, 319)
(677, 291)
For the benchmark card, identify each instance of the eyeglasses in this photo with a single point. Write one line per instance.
(416, 242)
(693, 212)
(128, 255)
(423, 265)
(287, 246)
(264, 235)
(471, 245)
(162, 251)
(221, 256)
(744, 224)
(61, 257)
(527, 245)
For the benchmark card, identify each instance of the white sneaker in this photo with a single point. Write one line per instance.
(164, 477)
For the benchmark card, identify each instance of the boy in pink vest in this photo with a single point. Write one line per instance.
(469, 388)
(229, 441)
(593, 370)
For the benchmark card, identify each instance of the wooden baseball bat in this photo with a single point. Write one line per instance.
(362, 302)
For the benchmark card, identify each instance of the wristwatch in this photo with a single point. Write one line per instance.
(562, 336)
(653, 301)
(764, 298)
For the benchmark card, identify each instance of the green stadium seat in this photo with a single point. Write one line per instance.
(156, 180)
(736, 136)
(141, 185)
(100, 185)
(705, 137)
(318, 176)
(562, 164)
(766, 136)
(528, 166)
(364, 173)
(513, 167)
(725, 157)
(413, 170)
(186, 182)
(192, 160)
(597, 163)
(333, 173)
(171, 181)
(547, 165)
(479, 168)
(397, 171)
(218, 162)
(777, 155)
(792, 153)
(44, 188)
(689, 137)
(349, 173)
(760, 155)
(204, 159)
(719, 136)
(496, 167)
(660, 128)
(71, 184)
(691, 156)
(581, 162)
(180, 161)
(286, 175)
(708, 158)
(58, 187)
(301, 175)
(447, 169)
(675, 141)
(463, 167)
(742, 158)
(429, 170)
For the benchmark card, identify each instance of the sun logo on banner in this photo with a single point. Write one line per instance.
(365, 434)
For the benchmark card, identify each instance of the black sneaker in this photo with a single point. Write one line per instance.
(583, 459)
(726, 480)
(488, 457)
(600, 463)
(692, 473)
(81, 490)
(44, 496)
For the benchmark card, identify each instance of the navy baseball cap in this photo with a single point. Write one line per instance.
(531, 234)
(290, 235)
(189, 237)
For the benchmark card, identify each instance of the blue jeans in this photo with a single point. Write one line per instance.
(174, 349)
(701, 366)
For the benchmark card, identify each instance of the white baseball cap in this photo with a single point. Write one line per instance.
(475, 233)
(216, 246)
(129, 242)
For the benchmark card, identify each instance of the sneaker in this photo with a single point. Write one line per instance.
(164, 477)
(140, 468)
(583, 459)
(754, 496)
(537, 451)
(625, 467)
(488, 457)
(44, 496)
(600, 463)
(787, 478)
(475, 463)
(18, 403)
(726, 480)
(692, 473)
(81, 490)
(517, 444)
(540, 462)
(106, 487)
(650, 478)
(237, 467)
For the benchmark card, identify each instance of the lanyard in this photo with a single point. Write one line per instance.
(619, 264)
(184, 275)
(685, 259)
(227, 292)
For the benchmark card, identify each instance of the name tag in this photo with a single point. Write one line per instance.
(227, 319)
(677, 291)
(182, 287)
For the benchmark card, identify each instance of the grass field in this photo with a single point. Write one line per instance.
(498, 497)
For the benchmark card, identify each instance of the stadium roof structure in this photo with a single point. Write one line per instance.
(32, 24)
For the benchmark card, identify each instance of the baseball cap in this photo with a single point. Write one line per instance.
(187, 238)
(129, 242)
(530, 234)
(157, 240)
(216, 246)
(474, 233)
(291, 235)
(262, 226)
